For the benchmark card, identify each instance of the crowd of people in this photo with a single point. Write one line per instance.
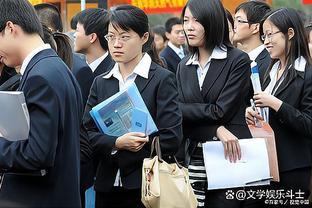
(193, 74)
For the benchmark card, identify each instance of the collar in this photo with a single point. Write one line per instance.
(217, 53)
(141, 69)
(255, 52)
(31, 55)
(175, 48)
(299, 65)
(97, 62)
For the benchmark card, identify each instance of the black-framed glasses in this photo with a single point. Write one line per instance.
(113, 38)
(240, 21)
(269, 35)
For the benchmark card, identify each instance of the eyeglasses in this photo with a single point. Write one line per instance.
(112, 38)
(269, 35)
(240, 21)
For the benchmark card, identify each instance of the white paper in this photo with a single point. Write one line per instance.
(14, 116)
(253, 166)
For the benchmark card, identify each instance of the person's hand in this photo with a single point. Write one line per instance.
(251, 115)
(232, 150)
(263, 99)
(132, 141)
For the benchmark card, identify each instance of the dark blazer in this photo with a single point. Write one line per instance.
(160, 95)
(221, 101)
(54, 103)
(85, 76)
(263, 61)
(292, 123)
(172, 59)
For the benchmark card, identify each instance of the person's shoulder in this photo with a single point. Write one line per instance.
(160, 71)
(237, 54)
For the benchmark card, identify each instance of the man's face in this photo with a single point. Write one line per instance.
(82, 41)
(176, 36)
(242, 29)
(9, 42)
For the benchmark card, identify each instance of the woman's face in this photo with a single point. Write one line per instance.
(274, 40)
(195, 32)
(159, 41)
(123, 45)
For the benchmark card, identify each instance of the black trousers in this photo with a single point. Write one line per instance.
(119, 197)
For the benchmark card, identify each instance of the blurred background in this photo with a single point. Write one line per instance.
(160, 10)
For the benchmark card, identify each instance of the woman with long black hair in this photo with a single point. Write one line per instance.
(287, 97)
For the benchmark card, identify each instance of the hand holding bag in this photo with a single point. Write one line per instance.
(165, 185)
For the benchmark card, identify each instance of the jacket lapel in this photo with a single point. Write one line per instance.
(290, 77)
(191, 75)
(215, 69)
(141, 82)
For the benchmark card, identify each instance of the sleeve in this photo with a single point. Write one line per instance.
(287, 113)
(38, 151)
(169, 117)
(232, 94)
(101, 143)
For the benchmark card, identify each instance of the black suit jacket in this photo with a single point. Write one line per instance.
(221, 101)
(85, 76)
(172, 59)
(263, 61)
(54, 103)
(292, 123)
(160, 95)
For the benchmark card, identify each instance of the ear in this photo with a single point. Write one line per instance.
(256, 28)
(10, 27)
(145, 37)
(291, 33)
(93, 37)
(168, 35)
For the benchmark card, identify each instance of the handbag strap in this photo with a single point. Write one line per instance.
(156, 146)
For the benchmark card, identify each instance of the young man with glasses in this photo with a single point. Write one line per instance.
(247, 32)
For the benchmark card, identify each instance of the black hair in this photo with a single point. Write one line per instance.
(22, 13)
(50, 16)
(152, 52)
(95, 21)
(284, 19)
(230, 18)
(160, 30)
(211, 15)
(73, 22)
(254, 10)
(172, 22)
(128, 17)
(60, 43)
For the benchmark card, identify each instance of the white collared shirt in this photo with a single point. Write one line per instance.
(31, 55)
(299, 65)
(97, 62)
(142, 69)
(255, 52)
(178, 51)
(217, 53)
